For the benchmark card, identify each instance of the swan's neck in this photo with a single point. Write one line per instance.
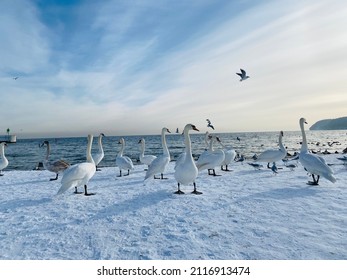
(304, 141)
(163, 142)
(89, 150)
(100, 144)
(121, 150)
(48, 151)
(282, 148)
(2, 151)
(211, 145)
(187, 142)
(142, 148)
(206, 141)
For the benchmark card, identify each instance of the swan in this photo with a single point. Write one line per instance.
(313, 164)
(57, 166)
(145, 159)
(123, 162)
(185, 169)
(79, 174)
(3, 159)
(100, 154)
(159, 164)
(211, 158)
(230, 155)
(273, 155)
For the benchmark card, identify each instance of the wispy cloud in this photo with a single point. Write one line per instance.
(131, 68)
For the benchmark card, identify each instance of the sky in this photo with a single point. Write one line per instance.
(126, 67)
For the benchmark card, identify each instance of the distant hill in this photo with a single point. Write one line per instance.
(330, 124)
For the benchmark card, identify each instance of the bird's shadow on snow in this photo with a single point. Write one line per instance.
(19, 203)
(132, 205)
(284, 193)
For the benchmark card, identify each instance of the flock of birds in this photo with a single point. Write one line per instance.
(186, 168)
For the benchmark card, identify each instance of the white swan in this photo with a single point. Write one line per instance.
(211, 158)
(185, 169)
(79, 174)
(57, 166)
(230, 155)
(158, 165)
(123, 162)
(100, 154)
(273, 155)
(313, 164)
(3, 159)
(145, 159)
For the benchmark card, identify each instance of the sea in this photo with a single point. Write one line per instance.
(26, 154)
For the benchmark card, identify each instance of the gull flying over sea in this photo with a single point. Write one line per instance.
(243, 75)
(209, 124)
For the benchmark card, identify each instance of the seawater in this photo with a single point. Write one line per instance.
(26, 153)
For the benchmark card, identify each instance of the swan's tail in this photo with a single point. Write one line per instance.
(330, 177)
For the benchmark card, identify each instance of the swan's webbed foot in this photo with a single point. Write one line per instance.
(179, 190)
(195, 191)
(312, 183)
(86, 193)
(226, 169)
(53, 179)
(213, 172)
(77, 192)
(315, 181)
(161, 177)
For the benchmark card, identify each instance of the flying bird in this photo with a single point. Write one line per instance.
(209, 124)
(243, 75)
(15, 78)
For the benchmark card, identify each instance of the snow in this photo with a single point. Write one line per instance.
(245, 214)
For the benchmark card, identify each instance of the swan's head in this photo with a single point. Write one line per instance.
(121, 141)
(302, 121)
(166, 130)
(281, 133)
(218, 139)
(101, 134)
(191, 127)
(3, 144)
(44, 143)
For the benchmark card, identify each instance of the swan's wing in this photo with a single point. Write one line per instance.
(157, 166)
(75, 174)
(270, 156)
(180, 159)
(124, 162)
(147, 159)
(314, 164)
(211, 159)
(98, 157)
(59, 165)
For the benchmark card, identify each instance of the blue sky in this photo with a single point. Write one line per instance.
(132, 67)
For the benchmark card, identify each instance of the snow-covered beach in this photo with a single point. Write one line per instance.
(245, 214)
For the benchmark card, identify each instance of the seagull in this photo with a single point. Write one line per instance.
(255, 165)
(15, 78)
(243, 75)
(209, 124)
(274, 168)
(343, 159)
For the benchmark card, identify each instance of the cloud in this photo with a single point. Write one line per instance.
(132, 69)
